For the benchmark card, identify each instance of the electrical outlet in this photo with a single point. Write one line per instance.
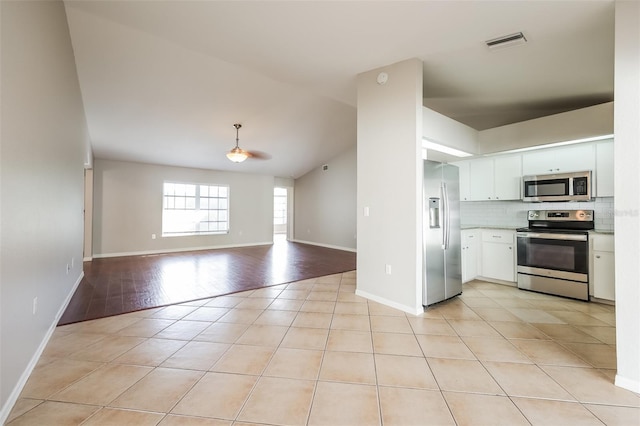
(153, 236)
(387, 269)
(35, 305)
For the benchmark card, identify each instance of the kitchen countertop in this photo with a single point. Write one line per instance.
(511, 228)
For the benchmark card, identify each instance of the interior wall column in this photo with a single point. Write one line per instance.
(389, 185)
(627, 193)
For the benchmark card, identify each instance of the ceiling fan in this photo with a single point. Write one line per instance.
(238, 155)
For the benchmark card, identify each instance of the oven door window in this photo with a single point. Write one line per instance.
(560, 255)
(550, 187)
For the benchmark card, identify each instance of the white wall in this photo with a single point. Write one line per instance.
(325, 204)
(390, 186)
(128, 208)
(41, 176)
(449, 132)
(627, 193)
(582, 123)
(88, 214)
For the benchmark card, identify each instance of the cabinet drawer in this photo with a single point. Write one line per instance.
(603, 243)
(498, 236)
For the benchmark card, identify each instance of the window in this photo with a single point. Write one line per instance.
(280, 206)
(191, 209)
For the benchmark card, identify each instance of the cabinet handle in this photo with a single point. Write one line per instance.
(597, 256)
(510, 248)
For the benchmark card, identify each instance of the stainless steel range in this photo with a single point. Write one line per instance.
(553, 252)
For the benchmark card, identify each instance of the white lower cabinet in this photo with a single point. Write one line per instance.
(498, 255)
(470, 247)
(602, 264)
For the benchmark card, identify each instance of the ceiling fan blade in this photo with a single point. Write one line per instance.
(259, 155)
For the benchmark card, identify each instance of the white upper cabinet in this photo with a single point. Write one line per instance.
(573, 158)
(508, 177)
(499, 177)
(463, 172)
(495, 178)
(604, 168)
(481, 179)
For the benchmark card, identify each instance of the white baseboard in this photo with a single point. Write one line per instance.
(87, 259)
(178, 250)
(404, 308)
(313, 243)
(626, 383)
(13, 397)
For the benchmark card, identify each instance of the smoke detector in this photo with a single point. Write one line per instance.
(506, 41)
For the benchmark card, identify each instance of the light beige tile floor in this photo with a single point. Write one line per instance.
(314, 353)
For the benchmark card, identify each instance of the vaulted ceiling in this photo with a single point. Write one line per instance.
(164, 81)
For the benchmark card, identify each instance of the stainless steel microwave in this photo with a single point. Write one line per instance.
(557, 187)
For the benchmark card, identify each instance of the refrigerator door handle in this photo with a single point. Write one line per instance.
(446, 218)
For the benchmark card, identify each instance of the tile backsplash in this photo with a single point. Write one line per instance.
(513, 214)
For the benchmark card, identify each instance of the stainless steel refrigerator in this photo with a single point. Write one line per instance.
(442, 274)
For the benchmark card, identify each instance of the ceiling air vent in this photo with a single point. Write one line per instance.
(505, 41)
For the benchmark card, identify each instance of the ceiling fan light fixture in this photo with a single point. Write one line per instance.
(237, 154)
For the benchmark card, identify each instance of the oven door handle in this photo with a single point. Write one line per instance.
(550, 236)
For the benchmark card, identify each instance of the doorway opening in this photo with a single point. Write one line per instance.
(280, 210)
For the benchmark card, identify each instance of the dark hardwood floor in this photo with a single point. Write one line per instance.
(117, 285)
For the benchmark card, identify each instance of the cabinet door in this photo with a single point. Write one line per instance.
(463, 173)
(604, 168)
(481, 179)
(573, 158)
(604, 275)
(469, 255)
(508, 177)
(498, 261)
